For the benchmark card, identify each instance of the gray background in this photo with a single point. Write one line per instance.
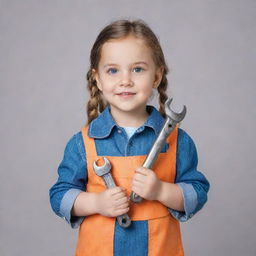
(210, 49)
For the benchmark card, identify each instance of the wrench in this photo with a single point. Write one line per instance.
(172, 119)
(104, 172)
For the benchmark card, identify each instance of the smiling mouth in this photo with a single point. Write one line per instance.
(125, 93)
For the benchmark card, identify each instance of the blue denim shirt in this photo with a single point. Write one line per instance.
(111, 139)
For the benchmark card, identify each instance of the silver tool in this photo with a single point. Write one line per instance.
(172, 119)
(104, 172)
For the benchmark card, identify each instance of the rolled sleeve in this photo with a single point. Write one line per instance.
(193, 183)
(66, 205)
(72, 179)
(190, 203)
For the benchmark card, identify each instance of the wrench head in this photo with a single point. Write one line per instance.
(103, 169)
(176, 117)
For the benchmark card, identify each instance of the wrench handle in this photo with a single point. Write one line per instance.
(155, 150)
(167, 128)
(124, 220)
(135, 197)
(108, 179)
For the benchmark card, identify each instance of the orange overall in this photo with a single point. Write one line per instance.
(96, 234)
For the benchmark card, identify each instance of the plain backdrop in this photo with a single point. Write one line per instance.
(210, 49)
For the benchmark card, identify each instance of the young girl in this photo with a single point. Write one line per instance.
(127, 63)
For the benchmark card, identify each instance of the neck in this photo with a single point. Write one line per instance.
(129, 119)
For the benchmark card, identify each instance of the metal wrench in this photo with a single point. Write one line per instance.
(172, 119)
(104, 172)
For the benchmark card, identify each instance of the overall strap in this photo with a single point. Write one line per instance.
(89, 143)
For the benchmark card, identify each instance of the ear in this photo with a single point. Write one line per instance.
(95, 76)
(158, 77)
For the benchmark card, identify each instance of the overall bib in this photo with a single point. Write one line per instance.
(96, 234)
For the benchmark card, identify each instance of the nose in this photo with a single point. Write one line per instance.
(126, 79)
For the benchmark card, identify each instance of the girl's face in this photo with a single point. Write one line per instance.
(126, 75)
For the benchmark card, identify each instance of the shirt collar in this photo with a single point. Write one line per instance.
(102, 126)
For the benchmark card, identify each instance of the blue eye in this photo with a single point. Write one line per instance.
(112, 70)
(138, 69)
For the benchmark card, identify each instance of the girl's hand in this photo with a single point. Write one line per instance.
(112, 202)
(146, 184)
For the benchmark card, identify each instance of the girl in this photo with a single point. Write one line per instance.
(127, 64)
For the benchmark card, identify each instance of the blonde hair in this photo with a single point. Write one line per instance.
(115, 30)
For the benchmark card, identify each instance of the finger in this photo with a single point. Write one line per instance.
(122, 203)
(122, 200)
(117, 190)
(122, 211)
(137, 190)
(122, 206)
(119, 196)
(142, 170)
(137, 183)
(139, 177)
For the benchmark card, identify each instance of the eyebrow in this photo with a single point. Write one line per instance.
(136, 63)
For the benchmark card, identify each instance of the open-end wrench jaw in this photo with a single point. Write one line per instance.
(174, 116)
(172, 119)
(103, 169)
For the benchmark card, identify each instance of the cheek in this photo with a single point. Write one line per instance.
(107, 88)
(146, 85)
(108, 83)
(145, 80)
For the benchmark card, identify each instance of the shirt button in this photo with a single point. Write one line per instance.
(119, 131)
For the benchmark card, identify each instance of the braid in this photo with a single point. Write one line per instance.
(95, 104)
(162, 94)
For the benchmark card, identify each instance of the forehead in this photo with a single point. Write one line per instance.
(128, 49)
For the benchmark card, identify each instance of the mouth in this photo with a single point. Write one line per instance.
(126, 93)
